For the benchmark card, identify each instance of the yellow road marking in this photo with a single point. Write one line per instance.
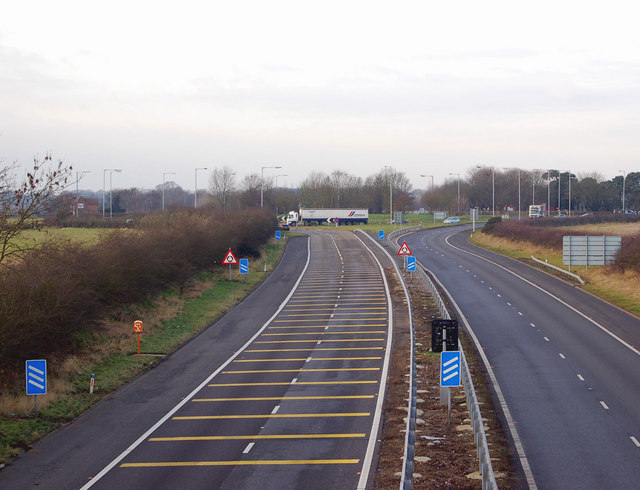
(330, 307)
(312, 359)
(335, 314)
(272, 416)
(257, 437)
(286, 383)
(332, 326)
(310, 349)
(270, 398)
(318, 320)
(299, 370)
(316, 340)
(322, 332)
(239, 463)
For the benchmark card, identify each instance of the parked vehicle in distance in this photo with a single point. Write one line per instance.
(629, 211)
(284, 227)
(560, 215)
(537, 211)
(451, 220)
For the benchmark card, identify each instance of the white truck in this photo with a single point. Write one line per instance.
(316, 216)
(537, 211)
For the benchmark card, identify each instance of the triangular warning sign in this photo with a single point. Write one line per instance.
(404, 249)
(230, 258)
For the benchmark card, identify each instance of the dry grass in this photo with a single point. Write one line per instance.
(621, 289)
(617, 229)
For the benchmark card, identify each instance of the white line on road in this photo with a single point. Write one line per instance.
(248, 448)
(188, 398)
(575, 310)
(293, 381)
(533, 325)
(580, 377)
(547, 339)
(275, 409)
(604, 405)
(520, 313)
(635, 441)
(562, 355)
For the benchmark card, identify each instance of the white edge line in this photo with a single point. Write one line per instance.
(575, 310)
(144, 436)
(368, 458)
(494, 381)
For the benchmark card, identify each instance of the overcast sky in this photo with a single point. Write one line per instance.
(427, 87)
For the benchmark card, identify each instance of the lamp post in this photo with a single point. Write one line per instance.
(569, 172)
(262, 185)
(104, 178)
(78, 177)
(164, 174)
(195, 189)
(458, 200)
(624, 178)
(558, 191)
(422, 175)
(548, 191)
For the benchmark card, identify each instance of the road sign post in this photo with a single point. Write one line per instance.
(380, 234)
(244, 268)
(36, 379)
(411, 265)
(137, 329)
(230, 259)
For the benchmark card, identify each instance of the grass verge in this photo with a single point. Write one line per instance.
(110, 354)
(622, 290)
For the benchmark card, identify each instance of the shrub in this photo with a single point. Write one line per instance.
(57, 291)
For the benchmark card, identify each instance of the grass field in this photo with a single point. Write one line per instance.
(89, 236)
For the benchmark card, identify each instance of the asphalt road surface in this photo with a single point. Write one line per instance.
(567, 363)
(282, 392)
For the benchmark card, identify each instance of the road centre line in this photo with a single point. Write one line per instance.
(258, 437)
(279, 398)
(248, 448)
(186, 399)
(275, 409)
(635, 441)
(240, 463)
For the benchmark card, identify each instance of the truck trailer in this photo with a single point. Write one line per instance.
(316, 216)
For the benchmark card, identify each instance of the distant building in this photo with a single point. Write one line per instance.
(85, 205)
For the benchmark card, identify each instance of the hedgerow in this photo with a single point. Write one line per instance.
(58, 291)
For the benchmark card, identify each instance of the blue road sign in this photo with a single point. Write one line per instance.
(36, 377)
(381, 235)
(411, 263)
(277, 234)
(244, 266)
(450, 368)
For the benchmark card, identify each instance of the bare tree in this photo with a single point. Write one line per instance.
(222, 186)
(21, 203)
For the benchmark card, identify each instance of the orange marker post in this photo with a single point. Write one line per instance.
(137, 329)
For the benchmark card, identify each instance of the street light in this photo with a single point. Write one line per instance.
(78, 177)
(104, 177)
(422, 175)
(195, 190)
(262, 185)
(624, 178)
(164, 174)
(458, 191)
